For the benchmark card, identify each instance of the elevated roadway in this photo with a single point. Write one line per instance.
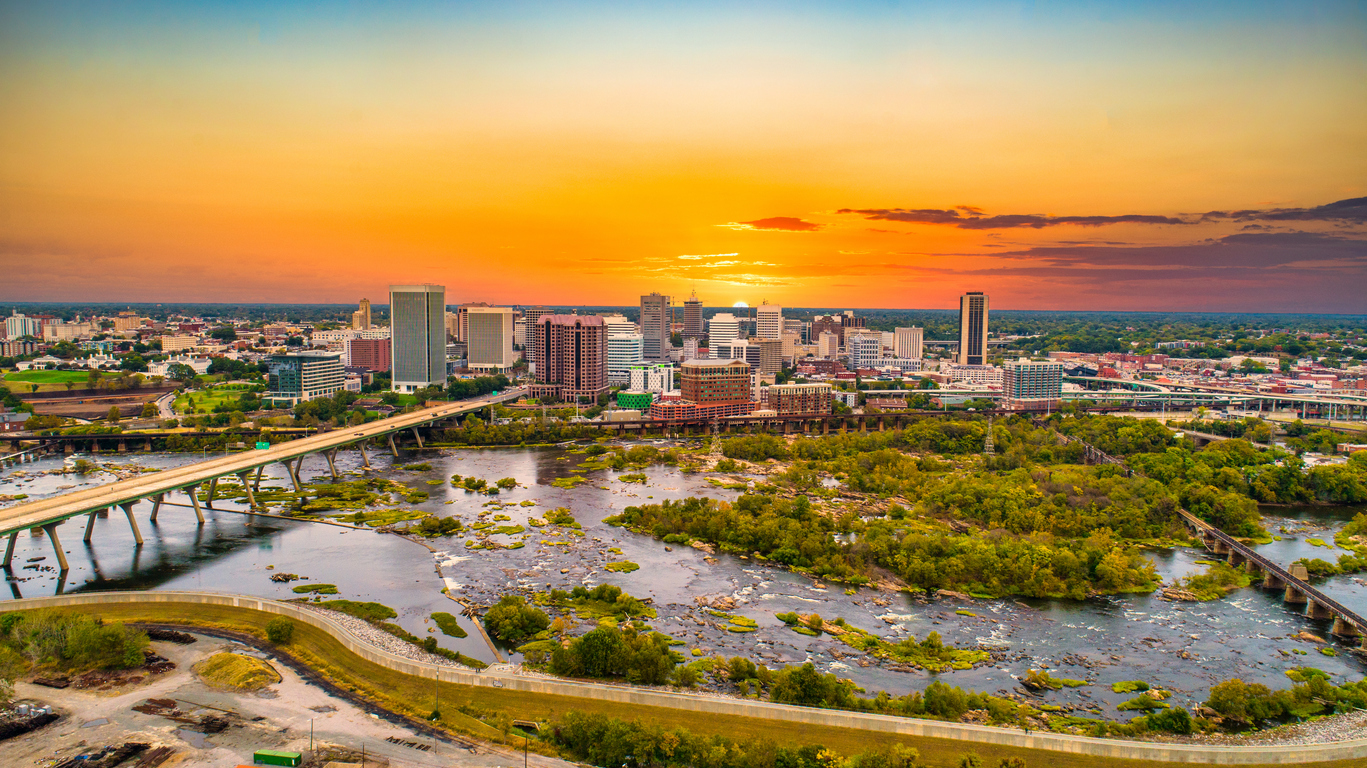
(50, 512)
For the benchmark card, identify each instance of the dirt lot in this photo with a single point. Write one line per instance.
(275, 718)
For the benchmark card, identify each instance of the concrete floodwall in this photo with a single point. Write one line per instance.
(636, 696)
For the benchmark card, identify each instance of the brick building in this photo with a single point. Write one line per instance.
(573, 355)
(370, 354)
(800, 399)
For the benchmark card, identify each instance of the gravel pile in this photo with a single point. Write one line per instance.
(382, 639)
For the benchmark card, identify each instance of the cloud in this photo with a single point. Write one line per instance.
(1251, 271)
(1352, 211)
(1344, 212)
(968, 217)
(697, 257)
(774, 224)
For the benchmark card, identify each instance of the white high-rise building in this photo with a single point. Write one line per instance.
(768, 321)
(723, 328)
(417, 319)
(864, 348)
(618, 324)
(827, 345)
(490, 339)
(909, 343)
(973, 328)
(624, 351)
(20, 325)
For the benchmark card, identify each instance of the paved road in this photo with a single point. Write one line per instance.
(629, 697)
(57, 508)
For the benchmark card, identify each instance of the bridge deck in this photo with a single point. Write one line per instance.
(57, 508)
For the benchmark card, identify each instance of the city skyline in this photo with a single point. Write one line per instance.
(1109, 157)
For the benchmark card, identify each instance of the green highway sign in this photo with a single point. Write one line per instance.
(262, 446)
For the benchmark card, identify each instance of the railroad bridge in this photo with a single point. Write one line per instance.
(1294, 583)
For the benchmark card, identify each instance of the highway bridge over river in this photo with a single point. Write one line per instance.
(47, 514)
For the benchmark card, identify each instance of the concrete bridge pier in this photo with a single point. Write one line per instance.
(1316, 611)
(293, 469)
(156, 505)
(418, 435)
(1272, 581)
(393, 448)
(251, 495)
(1220, 548)
(132, 521)
(9, 549)
(1294, 596)
(365, 460)
(193, 493)
(1345, 629)
(51, 530)
(331, 456)
(1236, 559)
(90, 525)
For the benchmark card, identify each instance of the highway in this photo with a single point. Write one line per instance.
(57, 508)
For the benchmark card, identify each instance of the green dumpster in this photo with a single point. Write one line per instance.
(275, 757)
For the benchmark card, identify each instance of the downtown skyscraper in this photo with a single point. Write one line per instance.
(657, 315)
(973, 328)
(417, 319)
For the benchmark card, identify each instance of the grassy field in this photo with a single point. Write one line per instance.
(20, 382)
(208, 399)
(414, 696)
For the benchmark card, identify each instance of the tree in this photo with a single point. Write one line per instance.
(133, 362)
(113, 416)
(224, 333)
(280, 630)
(513, 621)
(180, 372)
(149, 410)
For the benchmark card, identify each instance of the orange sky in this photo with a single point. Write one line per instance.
(239, 153)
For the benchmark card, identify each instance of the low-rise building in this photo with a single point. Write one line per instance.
(658, 378)
(800, 399)
(635, 400)
(171, 344)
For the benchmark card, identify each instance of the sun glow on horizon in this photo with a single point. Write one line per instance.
(740, 305)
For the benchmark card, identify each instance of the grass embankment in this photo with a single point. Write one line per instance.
(414, 697)
(233, 670)
(206, 400)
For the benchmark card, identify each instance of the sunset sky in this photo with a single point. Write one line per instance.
(1185, 156)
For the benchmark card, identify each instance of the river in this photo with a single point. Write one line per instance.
(1183, 647)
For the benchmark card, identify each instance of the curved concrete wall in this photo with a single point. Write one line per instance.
(1082, 745)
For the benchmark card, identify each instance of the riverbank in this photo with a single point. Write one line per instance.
(410, 694)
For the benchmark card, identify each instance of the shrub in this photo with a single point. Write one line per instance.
(280, 630)
(513, 621)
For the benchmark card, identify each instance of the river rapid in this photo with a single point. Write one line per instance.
(1183, 647)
